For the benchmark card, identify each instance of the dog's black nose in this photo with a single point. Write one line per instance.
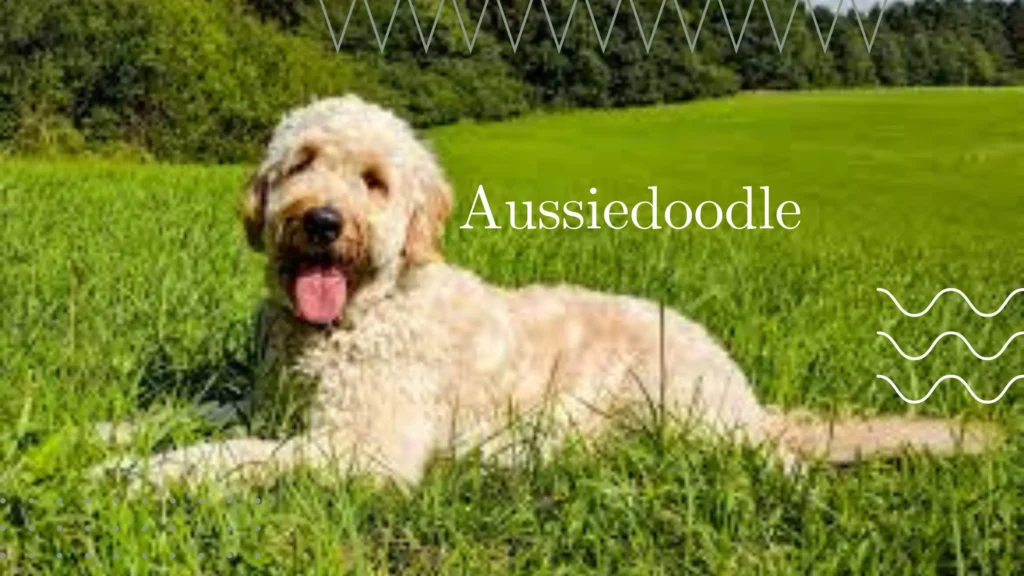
(322, 225)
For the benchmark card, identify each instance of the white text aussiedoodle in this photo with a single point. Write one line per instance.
(645, 215)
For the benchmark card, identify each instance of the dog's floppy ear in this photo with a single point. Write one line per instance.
(254, 203)
(423, 238)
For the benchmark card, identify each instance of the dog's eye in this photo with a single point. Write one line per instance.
(300, 166)
(303, 158)
(375, 182)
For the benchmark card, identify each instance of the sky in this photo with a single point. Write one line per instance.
(862, 4)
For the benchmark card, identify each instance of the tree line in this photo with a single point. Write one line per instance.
(205, 80)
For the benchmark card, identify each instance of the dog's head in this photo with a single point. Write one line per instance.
(346, 198)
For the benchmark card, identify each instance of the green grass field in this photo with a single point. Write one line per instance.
(127, 292)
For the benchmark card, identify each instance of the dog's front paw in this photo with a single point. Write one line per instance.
(117, 434)
(122, 469)
(155, 473)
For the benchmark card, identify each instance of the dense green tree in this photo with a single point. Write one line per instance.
(441, 80)
(853, 61)
(890, 61)
(921, 63)
(1014, 31)
(980, 64)
(950, 66)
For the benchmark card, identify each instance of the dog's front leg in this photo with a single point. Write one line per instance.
(246, 459)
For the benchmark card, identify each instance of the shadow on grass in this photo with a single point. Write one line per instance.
(222, 369)
(221, 376)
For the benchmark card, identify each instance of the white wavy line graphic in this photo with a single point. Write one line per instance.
(954, 290)
(953, 377)
(943, 335)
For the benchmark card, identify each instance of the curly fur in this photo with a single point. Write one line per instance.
(427, 355)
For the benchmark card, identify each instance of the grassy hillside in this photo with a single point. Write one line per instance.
(127, 292)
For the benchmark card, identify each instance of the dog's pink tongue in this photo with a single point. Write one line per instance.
(319, 293)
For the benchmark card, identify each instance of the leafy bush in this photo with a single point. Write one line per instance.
(185, 79)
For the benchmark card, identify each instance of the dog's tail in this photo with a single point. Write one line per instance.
(846, 440)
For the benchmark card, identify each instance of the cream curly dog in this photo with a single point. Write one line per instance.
(409, 355)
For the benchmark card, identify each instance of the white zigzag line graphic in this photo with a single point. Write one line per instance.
(948, 377)
(962, 295)
(943, 335)
(603, 42)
